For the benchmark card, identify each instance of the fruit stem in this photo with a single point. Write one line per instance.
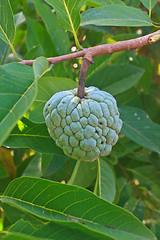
(82, 76)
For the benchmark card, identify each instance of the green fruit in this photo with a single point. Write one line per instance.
(84, 128)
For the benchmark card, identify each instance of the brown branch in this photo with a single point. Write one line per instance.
(84, 67)
(105, 49)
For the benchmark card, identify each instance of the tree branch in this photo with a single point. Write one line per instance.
(105, 49)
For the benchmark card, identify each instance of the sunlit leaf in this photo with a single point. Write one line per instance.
(34, 136)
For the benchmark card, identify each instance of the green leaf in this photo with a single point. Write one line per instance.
(4, 51)
(99, 63)
(47, 86)
(149, 4)
(125, 146)
(115, 15)
(40, 67)
(99, 3)
(124, 189)
(130, 205)
(145, 63)
(106, 79)
(138, 126)
(53, 230)
(19, 236)
(106, 184)
(14, 214)
(22, 226)
(68, 13)
(59, 37)
(148, 177)
(7, 27)
(34, 136)
(55, 201)
(136, 207)
(84, 174)
(34, 167)
(34, 52)
(38, 35)
(17, 92)
(52, 163)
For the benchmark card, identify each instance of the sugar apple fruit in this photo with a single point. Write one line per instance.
(84, 128)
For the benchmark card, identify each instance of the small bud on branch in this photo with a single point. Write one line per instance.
(154, 38)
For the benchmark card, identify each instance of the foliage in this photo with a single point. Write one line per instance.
(45, 194)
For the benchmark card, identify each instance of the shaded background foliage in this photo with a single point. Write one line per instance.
(128, 179)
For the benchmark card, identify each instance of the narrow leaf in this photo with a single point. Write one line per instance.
(55, 201)
(138, 126)
(17, 92)
(115, 15)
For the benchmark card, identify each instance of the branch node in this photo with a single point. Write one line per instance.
(154, 38)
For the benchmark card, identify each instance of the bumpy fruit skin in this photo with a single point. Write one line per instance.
(84, 128)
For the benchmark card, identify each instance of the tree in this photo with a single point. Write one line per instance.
(45, 47)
